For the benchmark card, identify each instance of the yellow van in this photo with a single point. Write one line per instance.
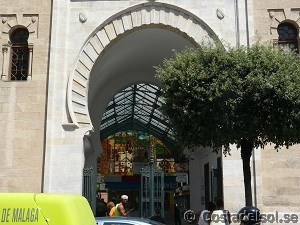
(44, 209)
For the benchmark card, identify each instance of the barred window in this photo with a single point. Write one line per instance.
(287, 37)
(19, 54)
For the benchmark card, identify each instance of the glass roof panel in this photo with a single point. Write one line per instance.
(139, 105)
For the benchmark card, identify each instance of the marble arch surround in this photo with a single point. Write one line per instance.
(71, 140)
(133, 18)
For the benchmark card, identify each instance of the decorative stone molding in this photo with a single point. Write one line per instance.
(5, 65)
(32, 24)
(220, 14)
(136, 17)
(6, 50)
(295, 14)
(10, 21)
(271, 14)
(30, 47)
(82, 17)
(69, 126)
(278, 16)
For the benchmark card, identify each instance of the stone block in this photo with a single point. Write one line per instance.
(110, 31)
(127, 22)
(118, 25)
(82, 70)
(95, 42)
(86, 61)
(91, 52)
(103, 38)
(136, 18)
(154, 15)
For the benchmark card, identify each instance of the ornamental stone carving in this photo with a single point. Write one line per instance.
(82, 17)
(220, 14)
(278, 16)
(30, 21)
(155, 14)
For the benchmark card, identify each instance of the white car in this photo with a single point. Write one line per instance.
(125, 221)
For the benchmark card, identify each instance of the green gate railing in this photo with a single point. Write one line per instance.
(152, 190)
(88, 182)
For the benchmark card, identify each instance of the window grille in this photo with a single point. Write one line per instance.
(19, 54)
(287, 37)
(19, 62)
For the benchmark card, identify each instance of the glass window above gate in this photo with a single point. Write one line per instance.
(137, 107)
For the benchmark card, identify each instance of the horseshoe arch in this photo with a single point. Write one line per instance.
(126, 21)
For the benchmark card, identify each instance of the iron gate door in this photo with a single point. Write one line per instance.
(152, 190)
(88, 182)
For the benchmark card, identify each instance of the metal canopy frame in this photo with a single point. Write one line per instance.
(137, 108)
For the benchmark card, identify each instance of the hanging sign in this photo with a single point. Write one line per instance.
(181, 177)
(138, 166)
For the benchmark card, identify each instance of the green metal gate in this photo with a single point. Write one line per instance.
(152, 190)
(88, 182)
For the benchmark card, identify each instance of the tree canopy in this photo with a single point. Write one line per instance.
(244, 96)
(216, 97)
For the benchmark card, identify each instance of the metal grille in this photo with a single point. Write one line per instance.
(88, 182)
(287, 37)
(152, 191)
(19, 62)
(137, 107)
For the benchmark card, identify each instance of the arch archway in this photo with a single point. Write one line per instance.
(98, 76)
(151, 14)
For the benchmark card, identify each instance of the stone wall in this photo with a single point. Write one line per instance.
(280, 179)
(268, 14)
(233, 183)
(198, 159)
(75, 24)
(280, 170)
(22, 103)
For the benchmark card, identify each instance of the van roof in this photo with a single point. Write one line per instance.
(44, 209)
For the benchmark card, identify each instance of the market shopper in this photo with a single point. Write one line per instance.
(120, 207)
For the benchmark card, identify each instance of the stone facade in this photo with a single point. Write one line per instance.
(280, 179)
(23, 103)
(280, 170)
(269, 14)
(51, 124)
(77, 42)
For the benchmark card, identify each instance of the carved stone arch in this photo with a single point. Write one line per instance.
(279, 16)
(147, 14)
(13, 21)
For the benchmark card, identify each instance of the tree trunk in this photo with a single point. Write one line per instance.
(246, 152)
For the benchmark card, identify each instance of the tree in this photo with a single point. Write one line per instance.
(244, 96)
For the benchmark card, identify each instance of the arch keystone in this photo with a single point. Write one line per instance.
(154, 15)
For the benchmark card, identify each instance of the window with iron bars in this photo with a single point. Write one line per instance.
(19, 64)
(287, 37)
